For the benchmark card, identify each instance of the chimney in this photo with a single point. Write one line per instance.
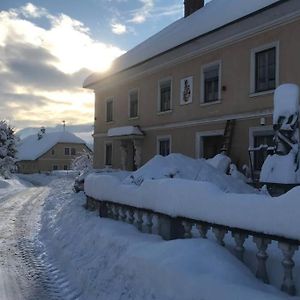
(190, 6)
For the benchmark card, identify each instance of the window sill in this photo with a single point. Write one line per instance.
(160, 113)
(210, 103)
(133, 118)
(261, 93)
(110, 122)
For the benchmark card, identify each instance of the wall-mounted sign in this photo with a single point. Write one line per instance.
(186, 90)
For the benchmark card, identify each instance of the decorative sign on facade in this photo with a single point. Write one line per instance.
(186, 90)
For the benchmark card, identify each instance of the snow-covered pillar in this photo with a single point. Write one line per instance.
(283, 166)
(138, 153)
(124, 155)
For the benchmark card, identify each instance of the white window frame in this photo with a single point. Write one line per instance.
(138, 111)
(159, 112)
(199, 140)
(253, 63)
(112, 151)
(202, 86)
(107, 100)
(163, 138)
(257, 131)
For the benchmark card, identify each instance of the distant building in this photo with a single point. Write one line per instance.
(201, 85)
(44, 152)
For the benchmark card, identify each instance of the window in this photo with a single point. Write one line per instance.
(65, 167)
(265, 70)
(211, 83)
(212, 145)
(67, 151)
(133, 104)
(52, 152)
(55, 167)
(261, 155)
(164, 145)
(73, 151)
(109, 110)
(165, 88)
(108, 154)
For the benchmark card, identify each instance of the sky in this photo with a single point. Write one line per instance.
(48, 47)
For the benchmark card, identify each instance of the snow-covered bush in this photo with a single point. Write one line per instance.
(83, 162)
(7, 149)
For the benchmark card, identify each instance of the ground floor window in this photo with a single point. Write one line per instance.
(108, 154)
(261, 143)
(55, 167)
(164, 145)
(65, 167)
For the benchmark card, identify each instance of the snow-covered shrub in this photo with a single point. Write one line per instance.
(83, 162)
(7, 149)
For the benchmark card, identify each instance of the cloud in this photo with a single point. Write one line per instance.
(140, 15)
(42, 70)
(118, 28)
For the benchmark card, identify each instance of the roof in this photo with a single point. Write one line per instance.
(32, 148)
(124, 131)
(212, 16)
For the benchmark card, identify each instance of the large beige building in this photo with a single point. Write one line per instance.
(44, 152)
(209, 74)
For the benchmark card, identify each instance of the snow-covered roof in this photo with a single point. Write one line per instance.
(124, 131)
(32, 148)
(213, 15)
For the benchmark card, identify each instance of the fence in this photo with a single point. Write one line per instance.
(180, 227)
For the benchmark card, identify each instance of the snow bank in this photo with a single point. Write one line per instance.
(12, 185)
(204, 201)
(112, 260)
(180, 166)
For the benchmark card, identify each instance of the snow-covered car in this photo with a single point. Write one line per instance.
(79, 180)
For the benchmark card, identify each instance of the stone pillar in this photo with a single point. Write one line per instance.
(138, 153)
(124, 155)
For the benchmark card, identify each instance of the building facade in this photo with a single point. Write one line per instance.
(54, 151)
(182, 99)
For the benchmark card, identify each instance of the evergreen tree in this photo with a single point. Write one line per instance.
(7, 149)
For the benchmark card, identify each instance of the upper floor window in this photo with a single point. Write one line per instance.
(164, 145)
(67, 151)
(265, 70)
(133, 104)
(109, 110)
(108, 154)
(165, 91)
(73, 151)
(211, 83)
(52, 152)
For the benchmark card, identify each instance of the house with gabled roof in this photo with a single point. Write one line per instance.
(202, 85)
(44, 152)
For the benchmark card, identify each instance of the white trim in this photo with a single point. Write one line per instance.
(257, 131)
(199, 140)
(203, 68)
(158, 94)
(253, 52)
(107, 100)
(163, 138)
(138, 103)
(210, 120)
(261, 93)
(112, 147)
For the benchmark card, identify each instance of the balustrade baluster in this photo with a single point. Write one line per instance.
(219, 234)
(131, 216)
(202, 230)
(262, 256)
(187, 229)
(288, 284)
(149, 222)
(240, 239)
(139, 222)
(109, 210)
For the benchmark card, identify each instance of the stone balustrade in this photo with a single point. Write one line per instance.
(180, 227)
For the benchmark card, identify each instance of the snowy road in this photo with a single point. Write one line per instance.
(21, 269)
